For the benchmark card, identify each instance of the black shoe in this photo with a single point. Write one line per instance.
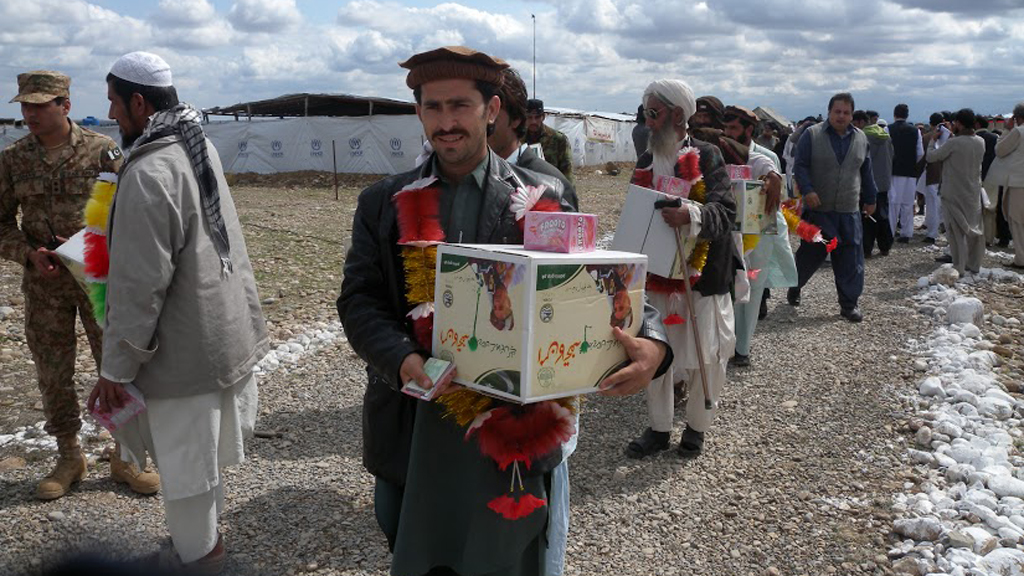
(650, 442)
(867, 255)
(692, 443)
(1015, 266)
(852, 314)
(944, 259)
(928, 240)
(793, 296)
(740, 360)
(1003, 243)
(762, 312)
(903, 240)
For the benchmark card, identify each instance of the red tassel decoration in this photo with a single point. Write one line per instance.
(418, 218)
(688, 166)
(831, 245)
(643, 177)
(97, 260)
(542, 205)
(512, 510)
(673, 320)
(514, 433)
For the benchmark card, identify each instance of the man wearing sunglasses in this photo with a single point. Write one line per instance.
(668, 105)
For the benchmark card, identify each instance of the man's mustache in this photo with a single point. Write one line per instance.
(443, 133)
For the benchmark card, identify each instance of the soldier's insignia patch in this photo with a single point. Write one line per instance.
(114, 153)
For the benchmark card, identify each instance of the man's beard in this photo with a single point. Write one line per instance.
(128, 140)
(663, 142)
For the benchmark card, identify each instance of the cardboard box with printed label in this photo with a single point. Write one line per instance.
(528, 326)
(750, 202)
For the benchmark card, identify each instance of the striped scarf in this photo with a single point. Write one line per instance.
(185, 121)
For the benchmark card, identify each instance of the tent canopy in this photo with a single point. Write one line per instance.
(766, 113)
(305, 104)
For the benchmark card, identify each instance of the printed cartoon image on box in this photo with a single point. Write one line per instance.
(615, 281)
(480, 334)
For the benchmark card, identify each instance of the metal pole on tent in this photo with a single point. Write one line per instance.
(534, 16)
(334, 158)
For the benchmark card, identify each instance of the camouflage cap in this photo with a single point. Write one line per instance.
(41, 86)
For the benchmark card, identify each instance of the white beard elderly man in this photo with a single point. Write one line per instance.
(668, 105)
(183, 319)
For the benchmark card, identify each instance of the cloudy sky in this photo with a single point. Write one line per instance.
(591, 54)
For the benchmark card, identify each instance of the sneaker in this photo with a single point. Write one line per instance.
(793, 296)
(852, 314)
(650, 442)
(145, 482)
(928, 240)
(944, 259)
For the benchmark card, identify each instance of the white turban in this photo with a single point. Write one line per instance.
(674, 93)
(142, 68)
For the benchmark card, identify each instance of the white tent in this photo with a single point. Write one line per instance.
(374, 144)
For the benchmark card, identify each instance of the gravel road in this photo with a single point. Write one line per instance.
(798, 477)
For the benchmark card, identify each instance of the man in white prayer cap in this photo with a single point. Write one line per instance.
(668, 105)
(183, 321)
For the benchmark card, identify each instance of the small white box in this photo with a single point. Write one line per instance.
(72, 254)
(526, 325)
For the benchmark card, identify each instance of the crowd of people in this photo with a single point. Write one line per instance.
(178, 314)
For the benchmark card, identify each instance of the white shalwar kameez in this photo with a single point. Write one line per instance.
(190, 439)
(715, 322)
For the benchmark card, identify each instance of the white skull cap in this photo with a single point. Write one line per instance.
(142, 68)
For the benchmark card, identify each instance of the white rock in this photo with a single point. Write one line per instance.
(948, 428)
(984, 541)
(997, 320)
(919, 528)
(994, 408)
(920, 365)
(970, 331)
(946, 275)
(1006, 486)
(932, 386)
(921, 457)
(5, 311)
(1004, 562)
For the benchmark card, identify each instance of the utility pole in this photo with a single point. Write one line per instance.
(534, 16)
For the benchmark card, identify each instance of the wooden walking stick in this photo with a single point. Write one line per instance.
(676, 203)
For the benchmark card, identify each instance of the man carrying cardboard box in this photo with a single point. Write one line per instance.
(431, 485)
(669, 104)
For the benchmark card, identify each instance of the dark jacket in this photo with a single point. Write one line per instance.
(718, 216)
(990, 151)
(904, 149)
(373, 307)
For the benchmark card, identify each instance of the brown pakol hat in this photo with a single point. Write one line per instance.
(741, 113)
(453, 62)
(41, 86)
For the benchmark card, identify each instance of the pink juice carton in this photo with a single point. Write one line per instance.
(739, 172)
(565, 232)
(121, 416)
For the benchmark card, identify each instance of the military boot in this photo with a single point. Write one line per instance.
(143, 481)
(71, 469)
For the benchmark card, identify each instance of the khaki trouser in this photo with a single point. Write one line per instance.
(1013, 210)
(50, 309)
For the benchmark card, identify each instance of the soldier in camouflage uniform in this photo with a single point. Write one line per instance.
(557, 150)
(49, 174)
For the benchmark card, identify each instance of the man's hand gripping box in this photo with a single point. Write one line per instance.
(528, 326)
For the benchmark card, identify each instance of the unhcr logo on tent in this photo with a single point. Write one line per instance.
(276, 147)
(316, 144)
(396, 148)
(355, 144)
(243, 146)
